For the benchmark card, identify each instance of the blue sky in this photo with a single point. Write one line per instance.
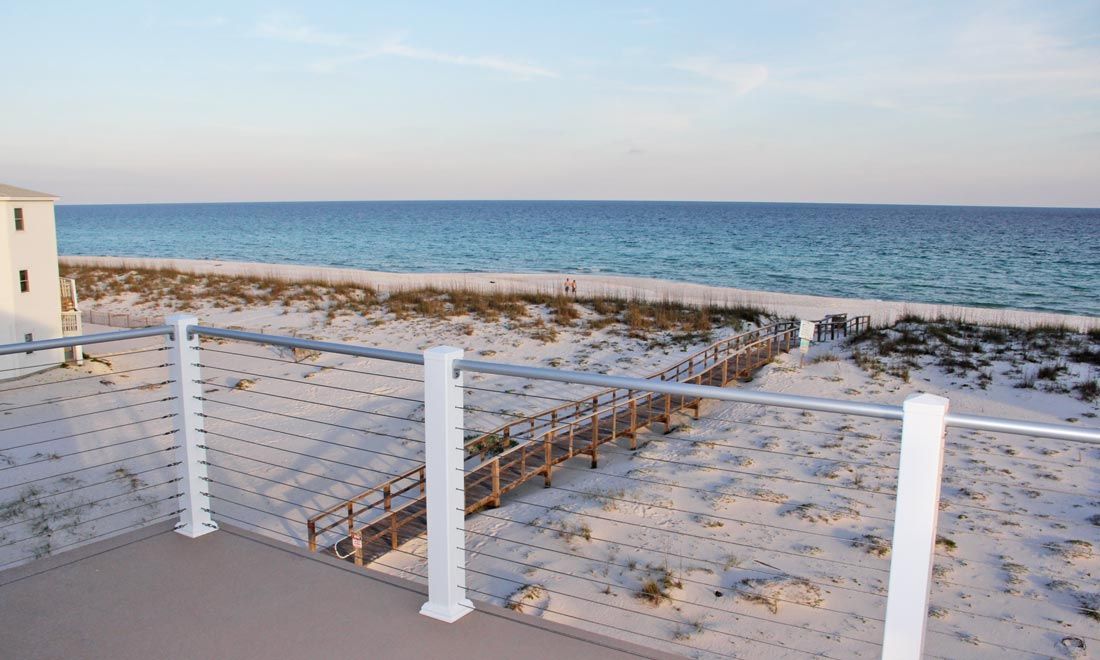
(922, 102)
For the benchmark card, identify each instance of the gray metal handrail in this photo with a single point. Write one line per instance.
(84, 340)
(1022, 427)
(309, 344)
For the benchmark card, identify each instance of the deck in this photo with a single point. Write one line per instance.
(232, 594)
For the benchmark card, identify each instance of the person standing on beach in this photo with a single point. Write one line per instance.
(567, 286)
(574, 287)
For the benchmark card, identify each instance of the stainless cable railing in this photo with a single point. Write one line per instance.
(731, 543)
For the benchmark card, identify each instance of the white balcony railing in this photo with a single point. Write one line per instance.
(681, 542)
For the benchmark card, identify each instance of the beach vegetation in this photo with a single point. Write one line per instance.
(1088, 389)
(171, 290)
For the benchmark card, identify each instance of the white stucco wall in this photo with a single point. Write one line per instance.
(37, 311)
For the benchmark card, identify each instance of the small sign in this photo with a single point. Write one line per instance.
(357, 541)
(806, 330)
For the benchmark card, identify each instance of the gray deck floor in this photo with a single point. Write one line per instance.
(231, 594)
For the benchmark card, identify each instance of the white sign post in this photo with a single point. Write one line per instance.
(805, 335)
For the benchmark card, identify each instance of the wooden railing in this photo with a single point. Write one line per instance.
(520, 450)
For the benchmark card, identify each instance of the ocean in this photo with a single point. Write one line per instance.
(1025, 258)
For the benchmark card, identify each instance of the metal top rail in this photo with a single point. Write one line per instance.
(1058, 431)
(84, 340)
(309, 344)
(883, 411)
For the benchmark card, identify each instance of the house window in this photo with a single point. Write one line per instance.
(19, 220)
(24, 281)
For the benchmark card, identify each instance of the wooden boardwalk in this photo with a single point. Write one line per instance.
(380, 519)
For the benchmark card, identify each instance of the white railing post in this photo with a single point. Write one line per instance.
(446, 495)
(184, 350)
(916, 513)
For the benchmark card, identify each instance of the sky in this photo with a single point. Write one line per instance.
(880, 102)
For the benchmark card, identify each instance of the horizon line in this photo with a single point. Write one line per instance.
(595, 201)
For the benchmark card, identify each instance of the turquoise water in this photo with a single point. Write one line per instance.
(1025, 258)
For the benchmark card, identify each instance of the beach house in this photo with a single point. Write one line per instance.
(31, 305)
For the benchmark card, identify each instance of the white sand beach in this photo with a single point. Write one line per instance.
(784, 304)
(784, 547)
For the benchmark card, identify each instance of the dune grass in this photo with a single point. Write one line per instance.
(539, 312)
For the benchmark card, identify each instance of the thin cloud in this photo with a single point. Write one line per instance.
(740, 77)
(284, 27)
(398, 48)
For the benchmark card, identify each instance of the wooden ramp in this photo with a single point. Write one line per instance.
(497, 462)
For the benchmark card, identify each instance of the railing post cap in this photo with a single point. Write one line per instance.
(442, 352)
(177, 319)
(924, 400)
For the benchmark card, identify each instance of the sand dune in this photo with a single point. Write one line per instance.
(810, 307)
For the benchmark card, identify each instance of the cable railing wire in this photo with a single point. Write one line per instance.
(956, 473)
(812, 457)
(700, 514)
(311, 383)
(126, 475)
(561, 508)
(313, 439)
(1014, 622)
(144, 386)
(313, 403)
(673, 599)
(291, 451)
(84, 505)
(608, 625)
(706, 491)
(92, 467)
(666, 552)
(682, 578)
(66, 381)
(359, 487)
(274, 481)
(86, 414)
(653, 616)
(314, 421)
(826, 486)
(312, 365)
(83, 433)
(90, 520)
(58, 457)
(144, 523)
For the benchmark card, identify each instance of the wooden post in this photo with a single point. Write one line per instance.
(351, 517)
(312, 526)
(393, 531)
(387, 498)
(595, 427)
(668, 413)
(549, 447)
(523, 461)
(698, 400)
(595, 437)
(422, 479)
(357, 546)
(633, 423)
(496, 481)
